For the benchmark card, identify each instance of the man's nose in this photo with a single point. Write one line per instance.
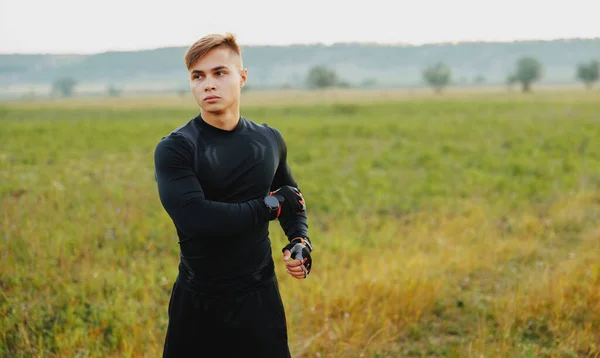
(209, 86)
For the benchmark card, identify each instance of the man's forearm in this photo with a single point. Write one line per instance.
(199, 217)
(295, 226)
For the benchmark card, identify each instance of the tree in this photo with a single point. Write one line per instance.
(437, 76)
(113, 91)
(528, 71)
(321, 77)
(64, 86)
(588, 73)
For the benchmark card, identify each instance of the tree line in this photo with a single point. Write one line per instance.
(527, 71)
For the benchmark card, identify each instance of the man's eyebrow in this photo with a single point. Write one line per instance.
(212, 69)
(220, 68)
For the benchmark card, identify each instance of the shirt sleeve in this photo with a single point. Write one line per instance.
(183, 198)
(295, 226)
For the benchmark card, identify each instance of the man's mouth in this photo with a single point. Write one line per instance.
(211, 98)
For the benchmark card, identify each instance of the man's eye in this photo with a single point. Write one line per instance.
(220, 73)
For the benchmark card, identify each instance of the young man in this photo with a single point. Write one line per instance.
(222, 178)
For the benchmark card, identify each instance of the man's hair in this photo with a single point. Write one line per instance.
(207, 43)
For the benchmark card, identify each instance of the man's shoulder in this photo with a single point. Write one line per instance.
(188, 131)
(263, 127)
(182, 137)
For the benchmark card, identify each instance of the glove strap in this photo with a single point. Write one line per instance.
(302, 240)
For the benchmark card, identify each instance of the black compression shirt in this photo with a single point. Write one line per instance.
(212, 183)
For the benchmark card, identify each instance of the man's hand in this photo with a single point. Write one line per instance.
(298, 250)
(291, 200)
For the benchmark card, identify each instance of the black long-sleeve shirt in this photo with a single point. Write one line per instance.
(212, 183)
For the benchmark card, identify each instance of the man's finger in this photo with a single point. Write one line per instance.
(294, 268)
(293, 263)
(286, 255)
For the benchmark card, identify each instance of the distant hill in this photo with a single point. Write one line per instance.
(276, 66)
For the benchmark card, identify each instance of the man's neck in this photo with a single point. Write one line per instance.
(226, 121)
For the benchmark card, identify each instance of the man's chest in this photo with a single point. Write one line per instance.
(236, 168)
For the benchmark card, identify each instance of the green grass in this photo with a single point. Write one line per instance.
(450, 226)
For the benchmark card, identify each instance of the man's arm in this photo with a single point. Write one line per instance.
(183, 198)
(296, 225)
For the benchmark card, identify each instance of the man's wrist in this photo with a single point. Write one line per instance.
(304, 240)
(272, 206)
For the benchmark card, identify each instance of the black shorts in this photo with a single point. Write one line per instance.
(248, 324)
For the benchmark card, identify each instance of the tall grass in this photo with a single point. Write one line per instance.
(446, 226)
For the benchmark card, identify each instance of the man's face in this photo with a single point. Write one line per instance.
(216, 80)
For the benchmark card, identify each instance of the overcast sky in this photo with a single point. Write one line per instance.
(80, 26)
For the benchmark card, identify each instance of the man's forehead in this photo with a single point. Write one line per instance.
(219, 57)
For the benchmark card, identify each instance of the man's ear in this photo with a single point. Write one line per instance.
(243, 77)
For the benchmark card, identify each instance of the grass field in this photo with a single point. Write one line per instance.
(461, 225)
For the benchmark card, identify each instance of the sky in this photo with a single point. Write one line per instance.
(85, 27)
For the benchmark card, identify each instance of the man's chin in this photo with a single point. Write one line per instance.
(213, 109)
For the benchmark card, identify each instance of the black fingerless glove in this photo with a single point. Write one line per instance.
(300, 249)
(291, 201)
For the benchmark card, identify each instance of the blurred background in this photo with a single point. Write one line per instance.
(448, 153)
(124, 48)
